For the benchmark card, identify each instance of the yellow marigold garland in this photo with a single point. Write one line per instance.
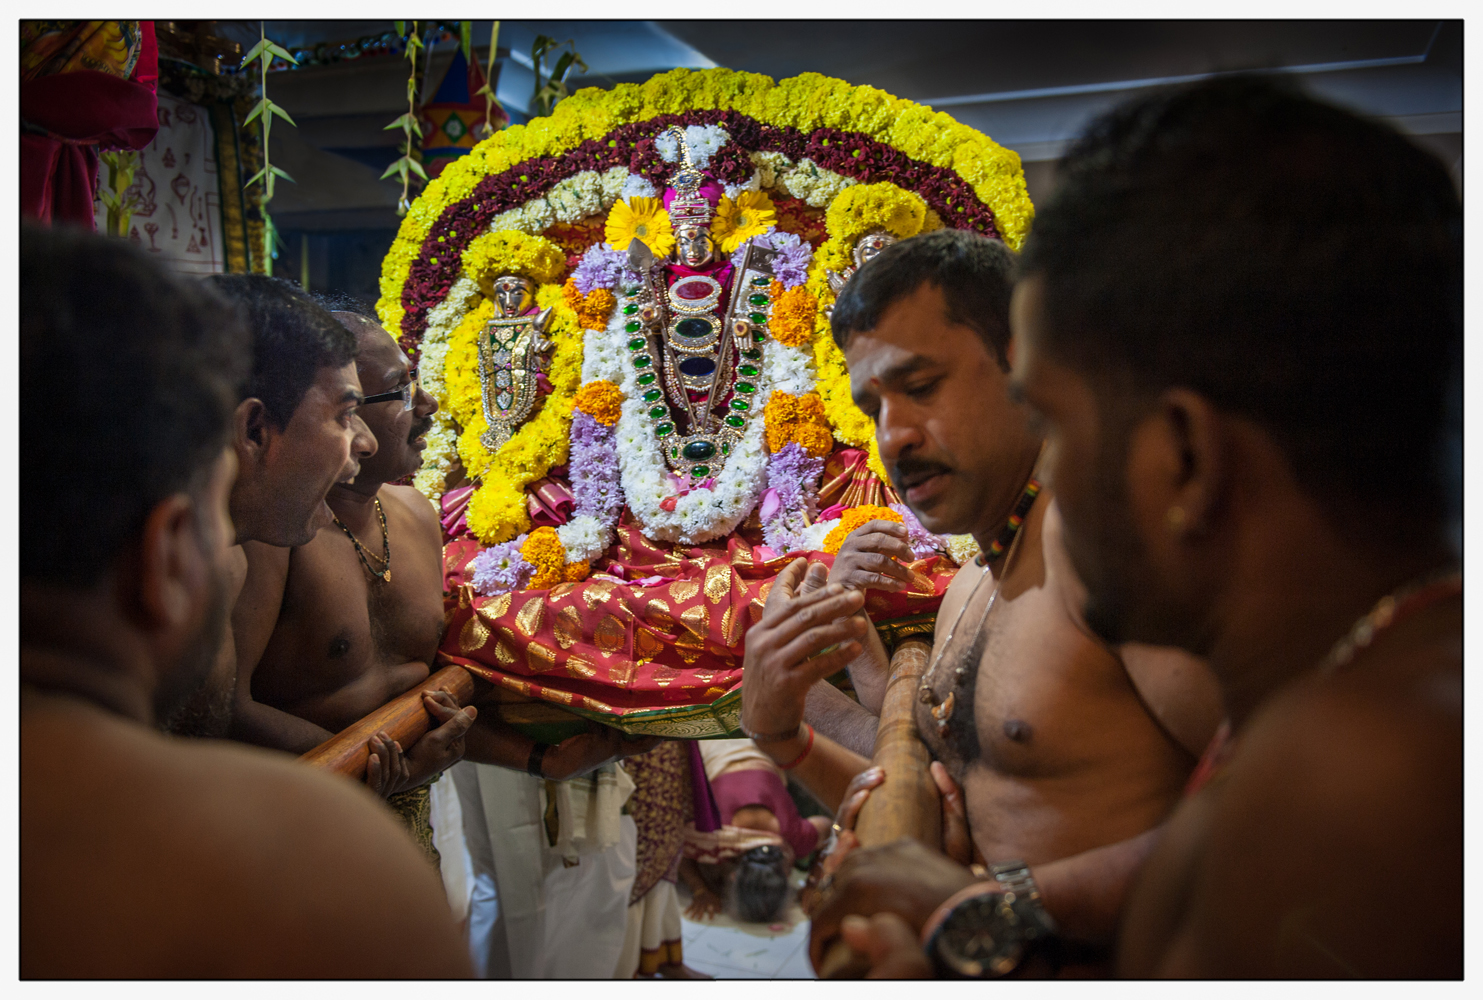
(808, 101)
(592, 309)
(601, 400)
(793, 313)
(544, 551)
(511, 252)
(497, 510)
(864, 208)
(852, 519)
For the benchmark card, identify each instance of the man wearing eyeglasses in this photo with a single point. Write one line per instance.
(329, 631)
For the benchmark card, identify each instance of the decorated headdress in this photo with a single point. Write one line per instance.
(691, 196)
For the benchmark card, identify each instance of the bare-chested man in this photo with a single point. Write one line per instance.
(142, 855)
(1265, 469)
(1069, 753)
(333, 628)
(296, 433)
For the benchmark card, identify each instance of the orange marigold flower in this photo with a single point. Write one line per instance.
(601, 400)
(592, 309)
(544, 551)
(577, 572)
(814, 439)
(854, 518)
(793, 311)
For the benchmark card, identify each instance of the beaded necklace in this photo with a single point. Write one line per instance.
(383, 574)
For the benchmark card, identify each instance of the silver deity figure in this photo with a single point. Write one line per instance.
(512, 355)
(866, 247)
(694, 247)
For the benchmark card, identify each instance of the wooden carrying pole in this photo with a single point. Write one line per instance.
(403, 718)
(907, 804)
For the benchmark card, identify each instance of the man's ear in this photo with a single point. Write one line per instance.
(1192, 461)
(250, 429)
(170, 572)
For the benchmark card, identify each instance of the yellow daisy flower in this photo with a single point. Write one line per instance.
(738, 221)
(642, 219)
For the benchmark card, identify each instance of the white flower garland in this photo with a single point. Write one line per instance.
(704, 141)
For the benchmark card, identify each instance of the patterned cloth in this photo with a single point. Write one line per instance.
(414, 808)
(661, 806)
(655, 627)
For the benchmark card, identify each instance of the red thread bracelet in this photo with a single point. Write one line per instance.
(807, 748)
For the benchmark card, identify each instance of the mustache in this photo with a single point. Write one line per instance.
(909, 471)
(420, 428)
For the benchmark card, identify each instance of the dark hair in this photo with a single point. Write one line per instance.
(293, 338)
(341, 302)
(760, 885)
(1288, 260)
(128, 379)
(973, 271)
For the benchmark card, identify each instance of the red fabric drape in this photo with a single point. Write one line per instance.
(71, 116)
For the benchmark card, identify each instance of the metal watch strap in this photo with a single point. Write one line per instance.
(1015, 879)
(537, 757)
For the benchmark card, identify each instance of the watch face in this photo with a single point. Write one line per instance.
(982, 938)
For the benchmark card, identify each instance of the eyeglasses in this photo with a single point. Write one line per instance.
(405, 393)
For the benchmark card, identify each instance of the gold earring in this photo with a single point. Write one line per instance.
(1175, 518)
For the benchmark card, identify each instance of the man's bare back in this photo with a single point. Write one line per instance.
(1060, 752)
(1268, 871)
(343, 644)
(146, 856)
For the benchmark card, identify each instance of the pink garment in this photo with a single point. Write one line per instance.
(762, 787)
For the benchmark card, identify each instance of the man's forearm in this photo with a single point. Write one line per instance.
(841, 718)
(490, 741)
(1085, 892)
(265, 726)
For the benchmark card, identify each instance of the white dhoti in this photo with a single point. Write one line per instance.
(653, 936)
(538, 910)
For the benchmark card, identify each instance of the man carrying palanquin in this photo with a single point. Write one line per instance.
(1069, 752)
(328, 631)
(296, 434)
(142, 855)
(1264, 469)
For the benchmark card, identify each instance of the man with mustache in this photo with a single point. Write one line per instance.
(144, 856)
(335, 626)
(1069, 752)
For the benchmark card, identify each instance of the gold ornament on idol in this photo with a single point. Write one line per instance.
(512, 354)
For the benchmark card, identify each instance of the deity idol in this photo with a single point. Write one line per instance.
(626, 458)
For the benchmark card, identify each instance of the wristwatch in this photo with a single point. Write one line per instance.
(992, 929)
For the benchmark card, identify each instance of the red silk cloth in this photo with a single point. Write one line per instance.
(654, 626)
(70, 115)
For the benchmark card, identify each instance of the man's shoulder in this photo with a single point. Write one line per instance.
(419, 506)
(210, 840)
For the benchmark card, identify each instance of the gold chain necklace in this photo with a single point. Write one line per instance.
(942, 711)
(384, 574)
(1389, 611)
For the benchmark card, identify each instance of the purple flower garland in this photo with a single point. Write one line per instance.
(851, 154)
(791, 265)
(500, 568)
(789, 500)
(599, 268)
(595, 472)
